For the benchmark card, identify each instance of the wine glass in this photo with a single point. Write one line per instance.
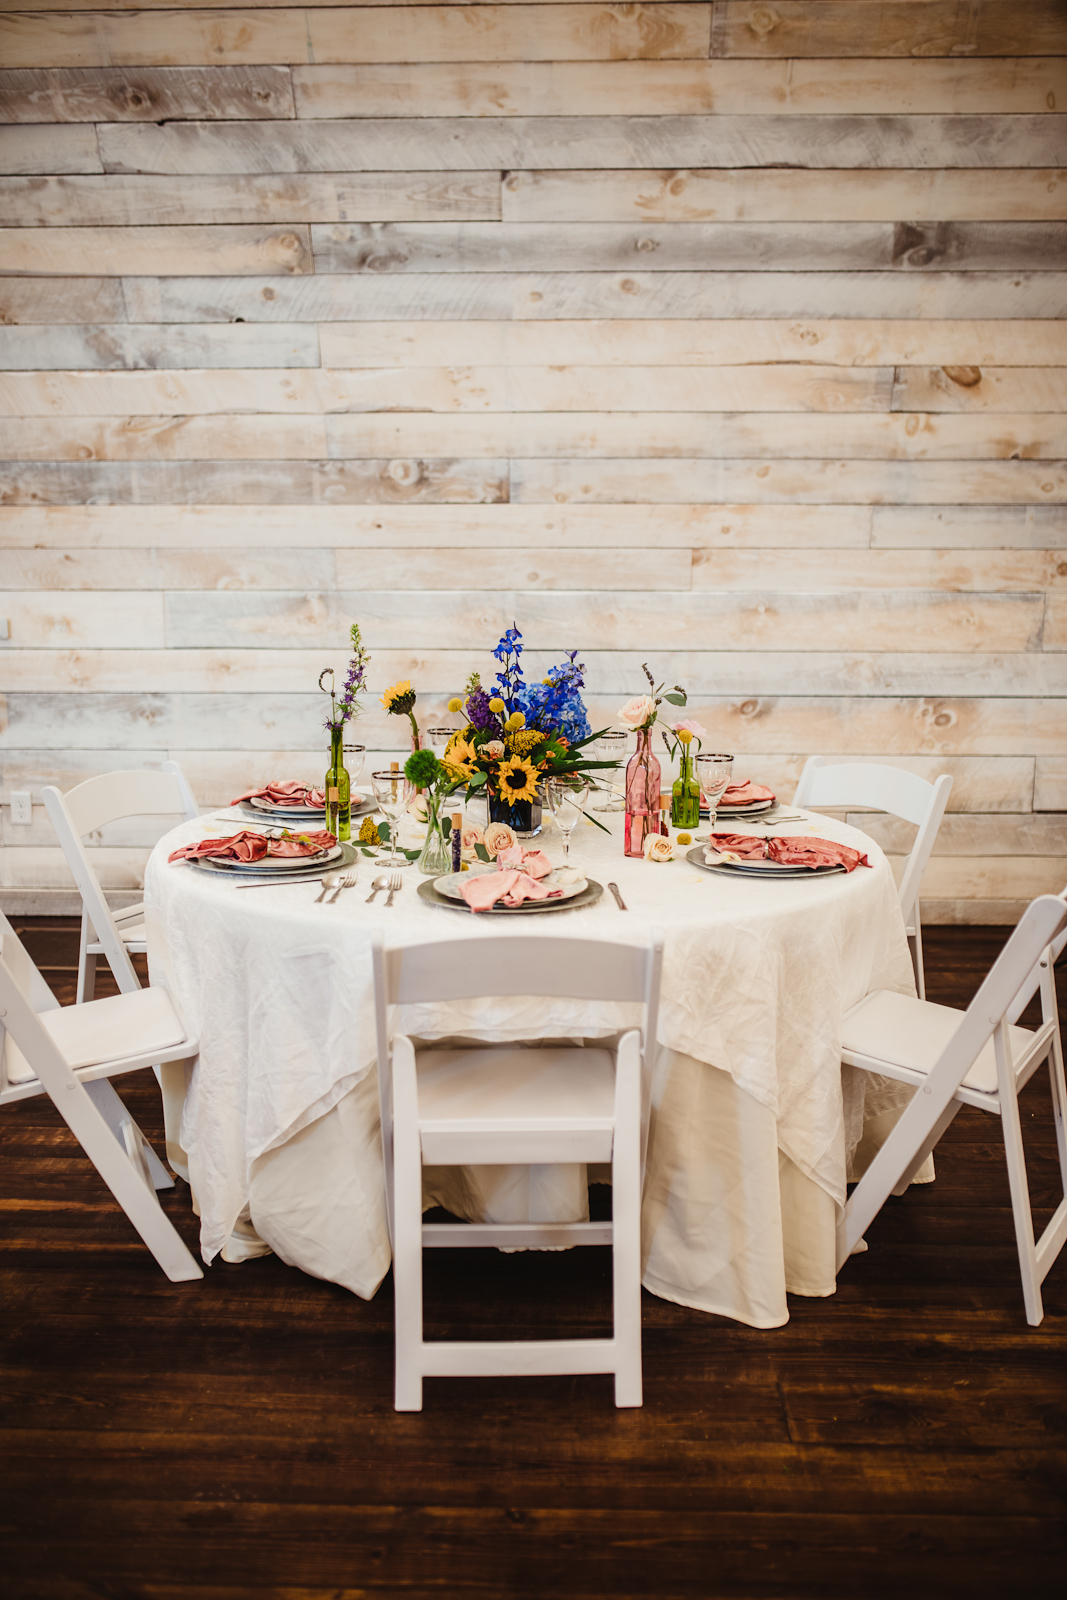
(611, 746)
(714, 773)
(355, 756)
(439, 737)
(393, 792)
(567, 797)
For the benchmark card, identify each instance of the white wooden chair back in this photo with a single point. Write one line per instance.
(842, 785)
(1024, 966)
(90, 805)
(463, 969)
(85, 1099)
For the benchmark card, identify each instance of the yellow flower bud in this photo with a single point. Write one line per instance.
(496, 704)
(685, 838)
(684, 736)
(455, 704)
(516, 720)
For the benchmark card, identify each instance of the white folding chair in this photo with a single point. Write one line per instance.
(92, 804)
(977, 1057)
(69, 1053)
(844, 784)
(509, 1103)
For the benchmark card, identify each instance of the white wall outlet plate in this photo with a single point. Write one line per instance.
(22, 807)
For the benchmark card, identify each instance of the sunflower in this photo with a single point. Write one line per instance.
(458, 755)
(400, 698)
(517, 780)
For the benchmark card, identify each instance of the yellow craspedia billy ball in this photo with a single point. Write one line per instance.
(685, 838)
(684, 736)
(496, 704)
(455, 704)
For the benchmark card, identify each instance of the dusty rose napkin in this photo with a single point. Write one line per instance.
(533, 862)
(484, 889)
(247, 846)
(746, 793)
(292, 794)
(791, 851)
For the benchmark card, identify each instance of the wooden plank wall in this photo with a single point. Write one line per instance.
(723, 335)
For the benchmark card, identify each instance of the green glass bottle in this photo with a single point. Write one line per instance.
(338, 789)
(685, 795)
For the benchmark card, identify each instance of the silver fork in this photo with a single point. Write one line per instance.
(347, 880)
(396, 882)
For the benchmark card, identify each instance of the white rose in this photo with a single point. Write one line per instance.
(639, 711)
(494, 749)
(659, 848)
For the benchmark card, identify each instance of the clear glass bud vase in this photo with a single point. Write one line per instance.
(436, 857)
(642, 795)
(338, 789)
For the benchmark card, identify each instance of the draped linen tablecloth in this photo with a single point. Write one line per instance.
(753, 1120)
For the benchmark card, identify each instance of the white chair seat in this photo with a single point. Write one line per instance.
(900, 1031)
(124, 1025)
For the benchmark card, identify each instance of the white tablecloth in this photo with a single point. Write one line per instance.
(752, 1125)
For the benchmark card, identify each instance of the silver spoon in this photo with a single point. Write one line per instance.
(380, 882)
(329, 879)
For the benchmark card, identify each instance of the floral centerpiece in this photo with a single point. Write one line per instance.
(337, 783)
(520, 734)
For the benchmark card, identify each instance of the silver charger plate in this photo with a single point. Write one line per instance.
(586, 897)
(450, 884)
(295, 816)
(268, 865)
(312, 872)
(737, 813)
(766, 870)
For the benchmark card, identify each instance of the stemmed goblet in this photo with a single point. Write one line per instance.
(567, 797)
(394, 793)
(714, 772)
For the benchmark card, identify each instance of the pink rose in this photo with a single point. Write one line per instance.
(691, 726)
(640, 712)
(498, 836)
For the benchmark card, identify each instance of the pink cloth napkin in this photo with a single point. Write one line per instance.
(484, 889)
(280, 794)
(247, 846)
(746, 793)
(534, 863)
(790, 851)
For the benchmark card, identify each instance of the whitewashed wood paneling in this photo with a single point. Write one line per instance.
(726, 336)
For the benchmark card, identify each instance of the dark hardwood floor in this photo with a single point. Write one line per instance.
(236, 1437)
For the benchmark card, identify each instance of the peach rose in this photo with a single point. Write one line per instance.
(494, 749)
(498, 836)
(470, 837)
(640, 712)
(659, 848)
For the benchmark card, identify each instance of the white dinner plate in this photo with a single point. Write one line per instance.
(450, 884)
(759, 869)
(272, 864)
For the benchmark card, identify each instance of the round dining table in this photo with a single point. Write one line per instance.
(755, 1126)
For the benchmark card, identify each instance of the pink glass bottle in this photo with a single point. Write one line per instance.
(642, 795)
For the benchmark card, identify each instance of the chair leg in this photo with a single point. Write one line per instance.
(127, 1184)
(915, 946)
(115, 1114)
(1020, 1205)
(86, 964)
(407, 1222)
(172, 1084)
(626, 1225)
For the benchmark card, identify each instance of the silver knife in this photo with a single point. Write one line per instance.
(619, 901)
